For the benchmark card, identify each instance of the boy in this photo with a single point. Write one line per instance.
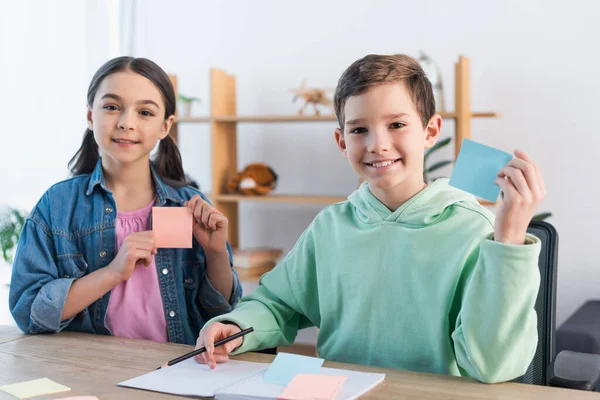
(402, 274)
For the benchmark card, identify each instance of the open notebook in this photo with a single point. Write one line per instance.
(238, 380)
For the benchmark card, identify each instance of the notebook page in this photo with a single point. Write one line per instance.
(189, 378)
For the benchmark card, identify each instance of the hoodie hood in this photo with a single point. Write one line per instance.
(424, 208)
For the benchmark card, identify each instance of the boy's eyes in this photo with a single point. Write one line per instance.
(393, 125)
(397, 125)
(358, 130)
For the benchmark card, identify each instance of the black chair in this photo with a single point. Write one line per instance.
(569, 369)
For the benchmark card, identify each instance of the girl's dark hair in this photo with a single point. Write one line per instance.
(168, 159)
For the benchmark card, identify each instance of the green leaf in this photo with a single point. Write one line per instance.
(186, 99)
(541, 216)
(438, 165)
(437, 146)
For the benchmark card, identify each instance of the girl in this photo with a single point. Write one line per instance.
(87, 259)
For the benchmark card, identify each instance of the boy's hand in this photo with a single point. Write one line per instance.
(210, 225)
(211, 333)
(524, 189)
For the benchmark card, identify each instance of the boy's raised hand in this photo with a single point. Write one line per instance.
(524, 189)
(210, 225)
(207, 338)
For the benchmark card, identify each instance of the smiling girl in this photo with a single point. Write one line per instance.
(87, 259)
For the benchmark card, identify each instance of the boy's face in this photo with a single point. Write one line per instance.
(385, 142)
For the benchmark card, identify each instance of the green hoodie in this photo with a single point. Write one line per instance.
(422, 288)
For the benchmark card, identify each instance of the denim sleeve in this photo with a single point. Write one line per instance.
(211, 301)
(37, 294)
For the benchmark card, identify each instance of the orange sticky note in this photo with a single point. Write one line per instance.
(172, 227)
(315, 387)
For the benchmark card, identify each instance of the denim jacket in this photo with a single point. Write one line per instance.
(71, 233)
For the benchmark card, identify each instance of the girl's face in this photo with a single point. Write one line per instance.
(128, 118)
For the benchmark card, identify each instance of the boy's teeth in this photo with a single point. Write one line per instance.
(382, 164)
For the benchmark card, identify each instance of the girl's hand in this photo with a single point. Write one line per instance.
(524, 189)
(138, 246)
(210, 225)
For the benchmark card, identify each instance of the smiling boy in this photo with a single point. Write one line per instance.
(402, 274)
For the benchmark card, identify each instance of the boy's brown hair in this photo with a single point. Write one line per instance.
(375, 69)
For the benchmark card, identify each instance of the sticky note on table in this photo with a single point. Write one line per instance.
(78, 398)
(172, 227)
(476, 169)
(286, 366)
(36, 387)
(316, 387)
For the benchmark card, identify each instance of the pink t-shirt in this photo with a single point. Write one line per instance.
(135, 309)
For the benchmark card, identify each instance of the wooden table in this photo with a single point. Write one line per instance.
(94, 364)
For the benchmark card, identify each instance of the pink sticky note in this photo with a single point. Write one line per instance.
(315, 387)
(172, 227)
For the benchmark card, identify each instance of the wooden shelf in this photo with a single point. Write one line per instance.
(187, 120)
(297, 118)
(278, 198)
(276, 118)
(223, 123)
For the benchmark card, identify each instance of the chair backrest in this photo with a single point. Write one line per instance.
(545, 304)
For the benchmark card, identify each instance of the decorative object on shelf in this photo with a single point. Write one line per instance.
(11, 223)
(255, 179)
(314, 96)
(435, 77)
(440, 164)
(187, 104)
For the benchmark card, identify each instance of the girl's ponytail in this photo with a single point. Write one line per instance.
(86, 158)
(168, 162)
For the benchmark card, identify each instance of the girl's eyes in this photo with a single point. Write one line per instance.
(397, 125)
(112, 107)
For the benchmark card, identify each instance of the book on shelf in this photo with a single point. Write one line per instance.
(255, 272)
(257, 257)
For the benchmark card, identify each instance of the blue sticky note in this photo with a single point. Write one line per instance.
(286, 366)
(476, 169)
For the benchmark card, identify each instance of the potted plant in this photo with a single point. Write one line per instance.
(11, 223)
(440, 164)
(187, 104)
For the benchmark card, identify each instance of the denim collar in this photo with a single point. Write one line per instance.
(164, 192)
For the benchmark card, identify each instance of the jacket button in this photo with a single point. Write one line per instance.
(102, 254)
(108, 210)
(171, 313)
(165, 271)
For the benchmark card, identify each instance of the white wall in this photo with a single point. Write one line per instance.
(42, 95)
(532, 61)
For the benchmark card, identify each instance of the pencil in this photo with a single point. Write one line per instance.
(203, 348)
